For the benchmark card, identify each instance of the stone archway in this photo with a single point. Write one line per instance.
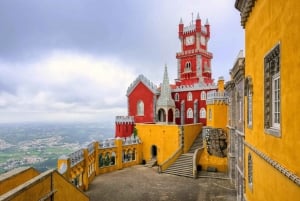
(161, 115)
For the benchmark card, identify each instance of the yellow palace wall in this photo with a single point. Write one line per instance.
(219, 115)
(164, 137)
(271, 23)
(167, 139)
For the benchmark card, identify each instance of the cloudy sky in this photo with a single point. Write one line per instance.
(73, 60)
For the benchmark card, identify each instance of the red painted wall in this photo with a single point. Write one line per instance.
(141, 92)
(190, 104)
(123, 129)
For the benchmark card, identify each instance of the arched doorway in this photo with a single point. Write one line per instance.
(161, 115)
(170, 115)
(153, 151)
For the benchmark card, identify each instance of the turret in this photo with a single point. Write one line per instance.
(180, 28)
(198, 23)
(221, 84)
(207, 28)
(124, 126)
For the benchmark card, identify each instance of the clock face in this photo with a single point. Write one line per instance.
(189, 40)
(202, 40)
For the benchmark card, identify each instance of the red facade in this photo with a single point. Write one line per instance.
(141, 94)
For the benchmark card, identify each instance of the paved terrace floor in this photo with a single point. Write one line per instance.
(140, 183)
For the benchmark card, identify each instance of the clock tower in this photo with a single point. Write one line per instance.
(194, 61)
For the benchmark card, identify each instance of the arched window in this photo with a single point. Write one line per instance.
(250, 170)
(177, 113)
(187, 67)
(177, 97)
(190, 96)
(203, 95)
(140, 108)
(189, 113)
(202, 113)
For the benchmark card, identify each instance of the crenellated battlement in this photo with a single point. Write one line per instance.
(124, 120)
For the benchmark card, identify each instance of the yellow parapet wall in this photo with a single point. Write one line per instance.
(16, 177)
(81, 167)
(49, 185)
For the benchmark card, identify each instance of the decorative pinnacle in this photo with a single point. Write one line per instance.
(180, 22)
(206, 23)
(198, 16)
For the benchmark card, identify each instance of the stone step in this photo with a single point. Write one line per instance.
(183, 166)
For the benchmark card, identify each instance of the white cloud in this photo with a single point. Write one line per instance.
(68, 83)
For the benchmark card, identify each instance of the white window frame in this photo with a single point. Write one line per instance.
(202, 113)
(177, 113)
(189, 113)
(140, 107)
(189, 96)
(249, 108)
(203, 95)
(276, 101)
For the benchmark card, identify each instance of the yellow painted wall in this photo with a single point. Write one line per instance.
(21, 176)
(191, 132)
(270, 23)
(268, 183)
(65, 190)
(35, 191)
(41, 186)
(164, 137)
(219, 115)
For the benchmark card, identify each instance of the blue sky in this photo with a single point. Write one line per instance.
(73, 60)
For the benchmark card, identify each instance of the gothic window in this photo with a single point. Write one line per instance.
(187, 67)
(202, 113)
(203, 95)
(177, 113)
(250, 170)
(189, 113)
(177, 97)
(249, 92)
(140, 108)
(209, 114)
(272, 92)
(190, 96)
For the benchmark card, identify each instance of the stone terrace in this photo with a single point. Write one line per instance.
(141, 183)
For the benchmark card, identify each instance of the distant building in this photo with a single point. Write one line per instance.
(272, 140)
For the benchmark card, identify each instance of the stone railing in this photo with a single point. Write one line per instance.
(76, 157)
(213, 96)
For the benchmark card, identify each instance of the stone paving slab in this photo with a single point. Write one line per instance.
(140, 183)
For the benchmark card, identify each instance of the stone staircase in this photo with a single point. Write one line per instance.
(183, 166)
(151, 163)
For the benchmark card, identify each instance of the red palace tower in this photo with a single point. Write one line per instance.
(183, 102)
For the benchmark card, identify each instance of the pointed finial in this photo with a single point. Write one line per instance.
(198, 16)
(206, 23)
(180, 21)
